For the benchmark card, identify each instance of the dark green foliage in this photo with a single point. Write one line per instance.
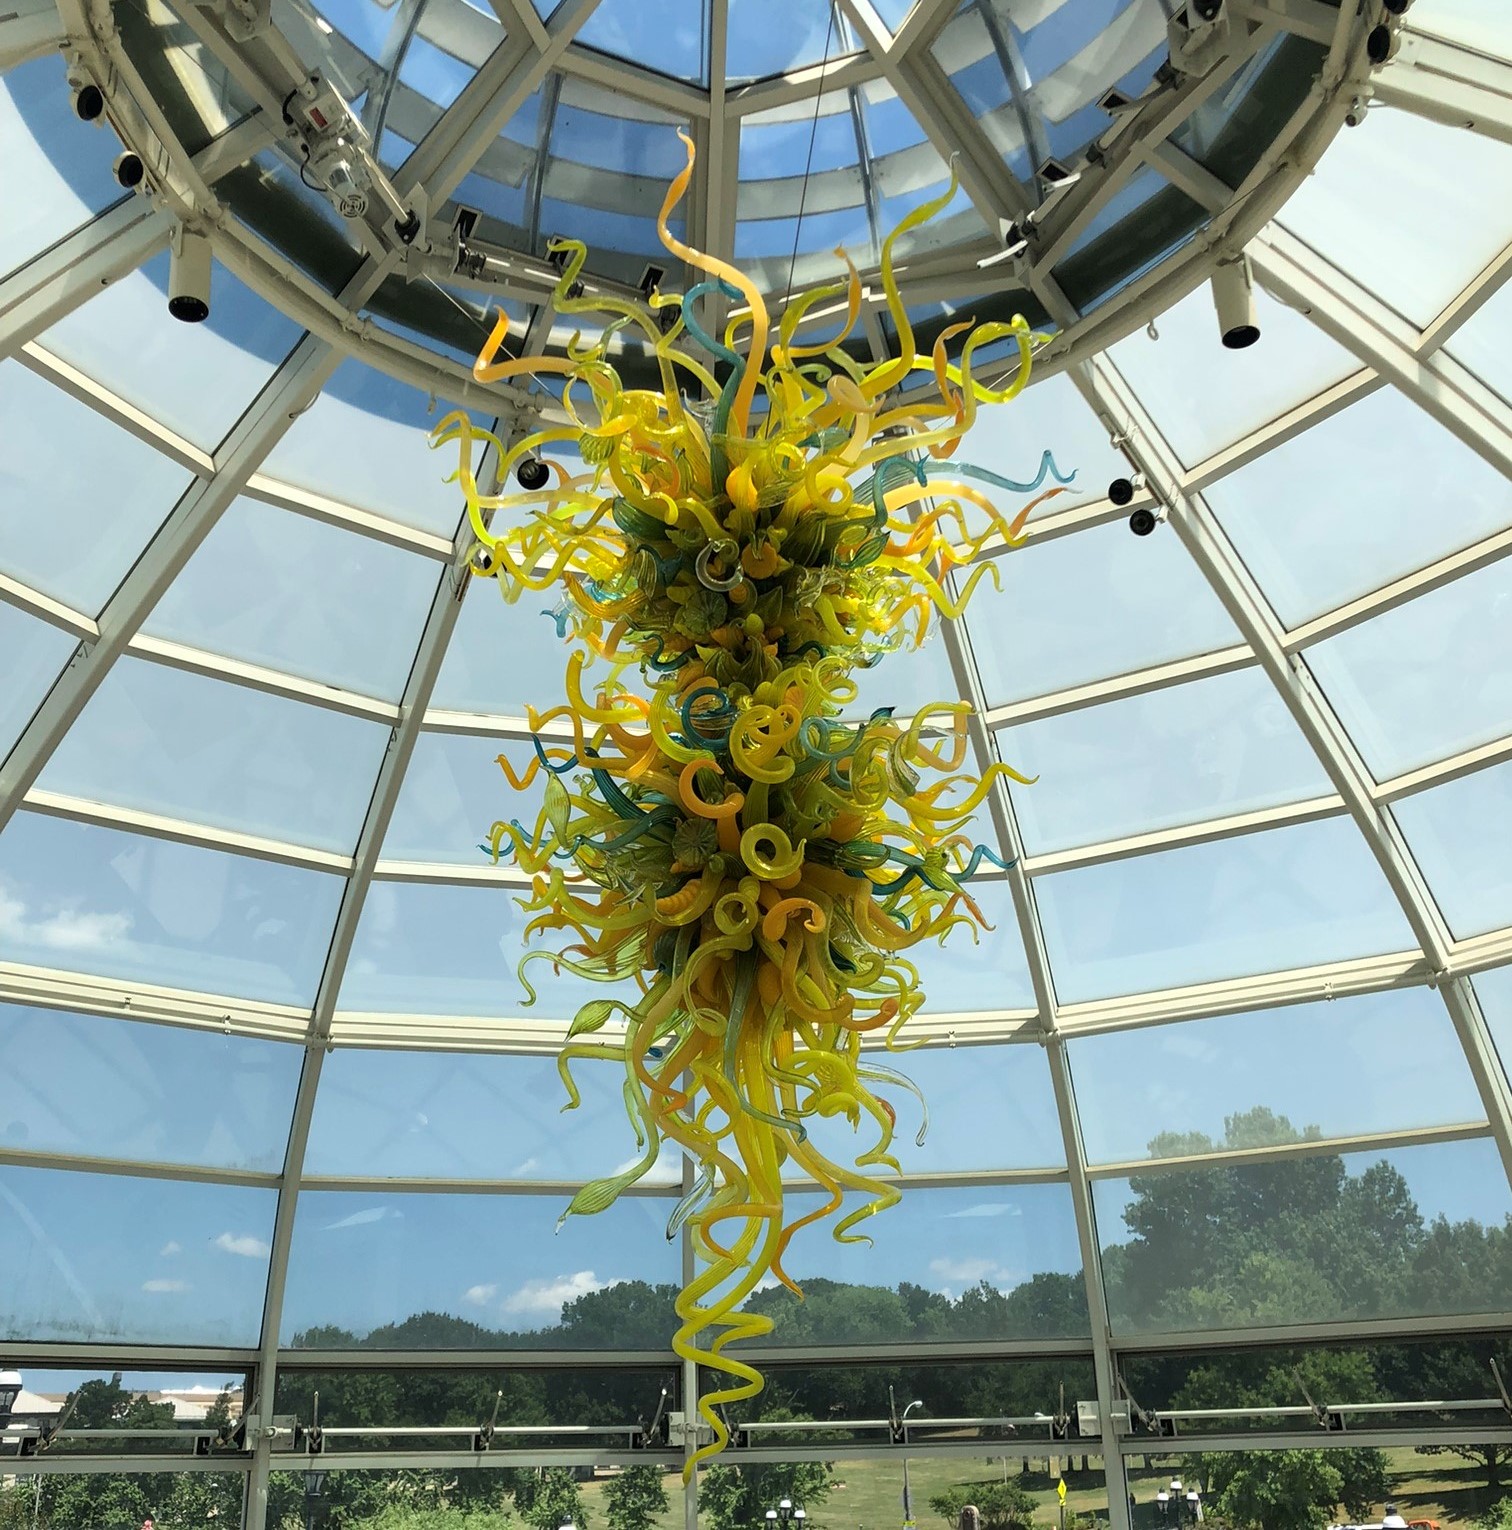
(634, 1498)
(1001, 1505)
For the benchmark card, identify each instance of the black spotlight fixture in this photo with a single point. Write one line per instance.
(1121, 490)
(1206, 10)
(88, 102)
(128, 170)
(1381, 44)
(1397, 7)
(1142, 522)
(531, 473)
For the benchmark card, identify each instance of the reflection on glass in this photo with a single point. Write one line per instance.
(1382, 189)
(1203, 397)
(670, 38)
(96, 900)
(766, 39)
(363, 443)
(1494, 990)
(196, 379)
(1168, 1090)
(297, 595)
(1310, 1239)
(1181, 755)
(169, 741)
(138, 1091)
(1282, 898)
(414, 1271)
(1454, 833)
(440, 1115)
(1427, 678)
(79, 557)
(35, 653)
(1338, 511)
(1089, 606)
(110, 1257)
(998, 1262)
(58, 159)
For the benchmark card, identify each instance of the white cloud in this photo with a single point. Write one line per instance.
(243, 1244)
(962, 1271)
(522, 1169)
(546, 1298)
(480, 1296)
(65, 930)
(366, 1218)
(165, 1285)
(170, 1248)
(984, 1209)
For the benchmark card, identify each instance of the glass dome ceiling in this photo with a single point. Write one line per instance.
(268, 1084)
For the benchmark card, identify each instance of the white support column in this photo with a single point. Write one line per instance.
(76, 268)
(32, 28)
(292, 387)
(446, 605)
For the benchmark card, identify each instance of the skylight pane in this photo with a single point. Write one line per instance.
(1282, 898)
(1482, 343)
(168, 741)
(1177, 756)
(767, 38)
(1168, 1090)
(1427, 678)
(1494, 990)
(1019, 1241)
(137, 1091)
(1246, 1247)
(361, 1263)
(671, 38)
(989, 974)
(1409, 191)
(1476, 24)
(112, 1258)
(197, 379)
(1203, 397)
(1456, 833)
(453, 793)
(35, 653)
(443, 1115)
(1338, 511)
(1089, 606)
(295, 594)
(102, 901)
(63, 163)
(363, 443)
(81, 555)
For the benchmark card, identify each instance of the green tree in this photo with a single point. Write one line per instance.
(1275, 1490)
(737, 1497)
(1001, 1505)
(634, 1498)
(549, 1499)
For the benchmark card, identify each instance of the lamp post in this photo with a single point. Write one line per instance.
(314, 1487)
(787, 1513)
(908, 1518)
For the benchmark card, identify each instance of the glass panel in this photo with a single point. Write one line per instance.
(197, 379)
(1284, 898)
(35, 653)
(991, 974)
(452, 795)
(1454, 834)
(1203, 397)
(503, 658)
(1089, 606)
(303, 597)
(363, 442)
(1428, 678)
(168, 741)
(1207, 1085)
(963, 1087)
(1188, 753)
(1475, 23)
(172, 1403)
(122, 905)
(1384, 188)
(123, 1089)
(130, 1498)
(1494, 990)
(440, 1115)
(766, 39)
(671, 39)
(81, 556)
(998, 1262)
(1338, 511)
(1307, 1240)
(485, 1271)
(1482, 343)
(109, 1257)
(62, 162)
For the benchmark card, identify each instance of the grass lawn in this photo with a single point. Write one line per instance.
(868, 1495)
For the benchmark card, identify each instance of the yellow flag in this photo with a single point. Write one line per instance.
(1060, 1489)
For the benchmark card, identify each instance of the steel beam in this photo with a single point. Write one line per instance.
(1448, 83)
